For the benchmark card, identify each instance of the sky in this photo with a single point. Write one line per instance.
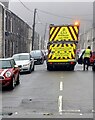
(53, 0)
(54, 12)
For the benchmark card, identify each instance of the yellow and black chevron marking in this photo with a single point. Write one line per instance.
(64, 33)
(62, 52)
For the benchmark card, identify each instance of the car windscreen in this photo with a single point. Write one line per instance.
(35, 53)
(4, 64)
(21, 57)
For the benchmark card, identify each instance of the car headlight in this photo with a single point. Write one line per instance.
(27, 64)
(8, 74)
(41, 57)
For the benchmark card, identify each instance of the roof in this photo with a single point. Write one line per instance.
(36, 51)
(6, 58)
(21, 54)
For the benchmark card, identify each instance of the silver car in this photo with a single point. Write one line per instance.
(24, 61)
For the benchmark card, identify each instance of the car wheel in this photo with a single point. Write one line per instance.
(12, 85)
(30, 70)
(18, 81)
(33, 68)
(49, 68)
(93, 68)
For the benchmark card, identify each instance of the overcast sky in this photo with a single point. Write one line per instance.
(54, 12)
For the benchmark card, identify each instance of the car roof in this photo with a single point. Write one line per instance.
(36, 51)
(21, 54)
(6, 58)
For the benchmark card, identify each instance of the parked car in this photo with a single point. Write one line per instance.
(44, 53)
(93, 66)
(80, 60)
(9, 73)
(24, 61)
(92, 59)
(38, 56)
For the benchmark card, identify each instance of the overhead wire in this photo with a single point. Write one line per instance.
(49, 13)
(61, 16)
(44, 24)
(25, 6)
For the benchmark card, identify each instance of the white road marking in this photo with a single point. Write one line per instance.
(16, 113)
(81, 114)
(61, 86)
(60, 104)
(71, 111)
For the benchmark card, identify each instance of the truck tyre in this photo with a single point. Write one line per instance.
(72, 68)
(49, 68)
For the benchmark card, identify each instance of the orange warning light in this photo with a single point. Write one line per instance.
(77, 23)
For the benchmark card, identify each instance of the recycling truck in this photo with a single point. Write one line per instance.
(62, 46)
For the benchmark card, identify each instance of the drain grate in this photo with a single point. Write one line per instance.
(48, 114)
(26, 100)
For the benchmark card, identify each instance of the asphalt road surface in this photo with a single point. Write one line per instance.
(50, 94)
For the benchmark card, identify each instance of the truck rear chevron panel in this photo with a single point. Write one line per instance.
(62, 51)
(64, 33)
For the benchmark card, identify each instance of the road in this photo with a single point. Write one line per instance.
(51, 94)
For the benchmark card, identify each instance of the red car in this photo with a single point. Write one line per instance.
(9, 73)
(92, 58)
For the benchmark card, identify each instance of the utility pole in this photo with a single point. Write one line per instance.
(45, 33)
(33, 34)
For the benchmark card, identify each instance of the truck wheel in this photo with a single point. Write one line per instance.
(49, 68)
(72, 68)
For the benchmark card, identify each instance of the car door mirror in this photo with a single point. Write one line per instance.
(16, 66)
(31, 58)
(19, 66)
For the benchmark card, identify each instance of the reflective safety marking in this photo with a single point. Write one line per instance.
(60, 104)
(51, 30)
(59, 61)
(54, 33)
(74, 35)
(62, 51)
(61, 86)
(64, 33)
(76, 29)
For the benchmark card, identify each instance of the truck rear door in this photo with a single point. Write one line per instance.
(62, 52)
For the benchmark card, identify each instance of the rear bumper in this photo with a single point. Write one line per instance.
(62, 63)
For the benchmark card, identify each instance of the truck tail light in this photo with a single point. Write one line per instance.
(72, 63)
